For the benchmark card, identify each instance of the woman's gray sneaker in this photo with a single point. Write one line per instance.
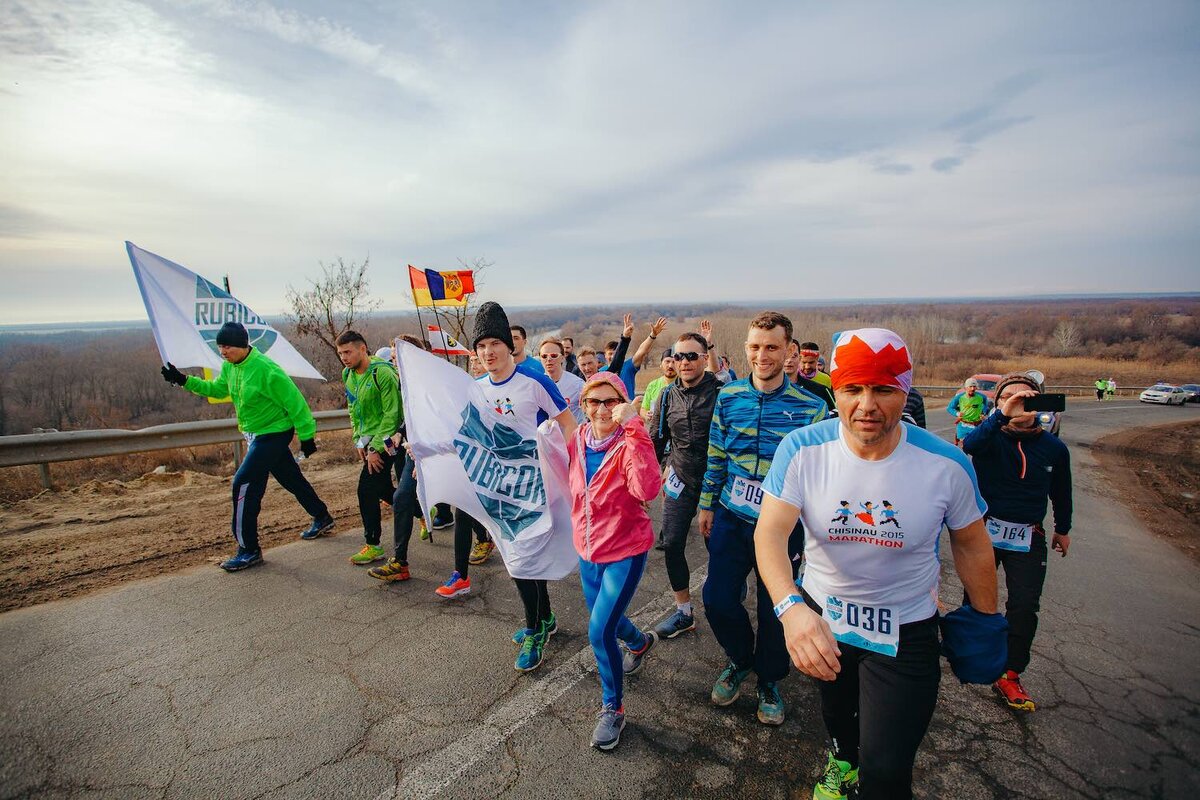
(608, 728)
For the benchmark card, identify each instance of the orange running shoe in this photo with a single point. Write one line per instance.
(456, 586)
(1009, 687)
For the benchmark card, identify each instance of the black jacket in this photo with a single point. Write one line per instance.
(680, 426)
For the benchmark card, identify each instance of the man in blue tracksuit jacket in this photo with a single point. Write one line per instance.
(1020, 467)
(749, 421)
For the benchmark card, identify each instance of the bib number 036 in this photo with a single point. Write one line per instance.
(869, 618)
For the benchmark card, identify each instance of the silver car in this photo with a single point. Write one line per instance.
(1164, 394)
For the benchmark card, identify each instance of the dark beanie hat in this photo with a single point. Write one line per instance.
(491, 323)
(233, 334)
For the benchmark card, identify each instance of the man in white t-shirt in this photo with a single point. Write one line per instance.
(554, 360)
(866, 626)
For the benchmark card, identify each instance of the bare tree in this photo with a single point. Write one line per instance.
(1066, 337)
(329, 309)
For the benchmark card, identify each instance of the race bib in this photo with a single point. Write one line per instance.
(873, 628)
(673, 485)
(249, 437)
(746, 496)
(1009, 535)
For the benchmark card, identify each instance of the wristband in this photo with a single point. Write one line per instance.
(786, 603)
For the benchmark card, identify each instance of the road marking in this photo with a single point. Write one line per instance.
(436, 773)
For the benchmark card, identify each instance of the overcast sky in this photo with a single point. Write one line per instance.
(599, 151)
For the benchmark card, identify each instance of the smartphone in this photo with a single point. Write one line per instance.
(1046, 402)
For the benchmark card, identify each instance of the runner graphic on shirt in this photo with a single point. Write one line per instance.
(842, 515)
(867, 515)
(506, 407)
(889, 515)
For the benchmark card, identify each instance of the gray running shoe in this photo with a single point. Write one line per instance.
(631, 664)
(675, 624)
(770, 704)
(608, 728)
(728, 685)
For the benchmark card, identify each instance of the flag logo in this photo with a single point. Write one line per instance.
(215, 307)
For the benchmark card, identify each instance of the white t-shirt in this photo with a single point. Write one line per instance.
(872, 527)
(571, 386)
(528, 398)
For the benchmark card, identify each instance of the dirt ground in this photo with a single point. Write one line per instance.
(99, 534)
(1164, 462)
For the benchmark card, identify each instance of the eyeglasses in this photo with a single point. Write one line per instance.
(608, 402)
(551, 356)
(686, 356)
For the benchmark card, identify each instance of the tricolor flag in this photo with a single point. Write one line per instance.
(186, 311)
(445, 345)
(433, 288)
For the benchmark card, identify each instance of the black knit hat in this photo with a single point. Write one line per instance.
(233, 334)
(491, 323)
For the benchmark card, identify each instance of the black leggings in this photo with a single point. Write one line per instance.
(879, 707)
(535, 596)
(1024, 576)
(677, 519)
(465, 528)
(374, 488)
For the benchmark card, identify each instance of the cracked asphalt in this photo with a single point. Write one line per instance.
(306, 679)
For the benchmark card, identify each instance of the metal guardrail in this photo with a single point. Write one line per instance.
(44, 449)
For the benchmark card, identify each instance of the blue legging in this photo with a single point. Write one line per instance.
(608, 588)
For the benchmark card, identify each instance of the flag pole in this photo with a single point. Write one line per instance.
(438, 320)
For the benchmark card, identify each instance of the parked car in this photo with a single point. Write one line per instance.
(1193, 390)
(1164, 394)
(987, 384)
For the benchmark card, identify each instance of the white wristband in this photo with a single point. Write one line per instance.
(786, 603)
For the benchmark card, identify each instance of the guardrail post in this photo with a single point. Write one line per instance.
(238, 453)
(44, 474)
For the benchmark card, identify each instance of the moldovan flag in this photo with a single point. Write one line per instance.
(508, 476)
(445, 345)
(186, 312)
(433, 288)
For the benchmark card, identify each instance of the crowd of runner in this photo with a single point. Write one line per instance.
(818, 478)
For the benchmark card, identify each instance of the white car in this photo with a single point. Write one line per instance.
(1164, 394)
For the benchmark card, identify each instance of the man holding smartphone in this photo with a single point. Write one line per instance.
(1021, 466)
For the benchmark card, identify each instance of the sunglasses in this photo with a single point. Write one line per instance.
(686, 356)
(608, 402)
(551, 356)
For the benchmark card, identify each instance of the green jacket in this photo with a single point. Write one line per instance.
(265, 398)
(374, 401)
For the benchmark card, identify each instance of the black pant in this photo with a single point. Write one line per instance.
(1024, 576)
(535, 596)
(879, 707)
(404, 507)
(374, 488)
(677, 519)
(269, 454)
(465, 529)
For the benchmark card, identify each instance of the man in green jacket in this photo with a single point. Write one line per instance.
(376, 414)
(270, 411)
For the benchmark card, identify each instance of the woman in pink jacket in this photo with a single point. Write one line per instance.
(613, 474)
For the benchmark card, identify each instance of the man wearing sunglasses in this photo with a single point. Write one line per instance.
(553, 354)
(680, 430)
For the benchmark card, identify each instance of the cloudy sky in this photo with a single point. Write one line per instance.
(599, 151)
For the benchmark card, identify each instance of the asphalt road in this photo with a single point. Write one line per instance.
(307, 679)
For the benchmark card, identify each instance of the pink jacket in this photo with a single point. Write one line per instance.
(608, 514)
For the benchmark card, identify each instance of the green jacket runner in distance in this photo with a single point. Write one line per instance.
(374, 401)
(266, 399)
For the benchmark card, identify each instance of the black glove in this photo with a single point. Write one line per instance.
(308, 447)
(172, 375)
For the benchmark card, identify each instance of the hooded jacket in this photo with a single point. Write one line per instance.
(373, 399)
(608, 513)
(265, 398)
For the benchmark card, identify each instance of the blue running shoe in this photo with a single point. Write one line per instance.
(675, 624)
(532, 650)
(441, 520)
(551, 629)
(608, 728)
(243, 560)
(770, 704)
(631, 664)
(728, 685)
(318, 527)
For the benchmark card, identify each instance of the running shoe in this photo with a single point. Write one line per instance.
(457, 585)
(770, 703)
(728, 685)
(609, 724)
(480, 553)
(422, 530)
(393, 570)
(632, 663)
(551, 629)
(243, 560)
(369, 553)
(1009, 687)
(318, 526)
(442, 521)
(837, 781)
(533, 648)
(675, 624)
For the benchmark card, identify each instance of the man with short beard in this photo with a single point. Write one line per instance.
(570, 364)
(656, 386)
(520, 357)
(751, 418)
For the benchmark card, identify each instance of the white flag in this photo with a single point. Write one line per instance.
(186, 312)
(445, 345)
(511, 479)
